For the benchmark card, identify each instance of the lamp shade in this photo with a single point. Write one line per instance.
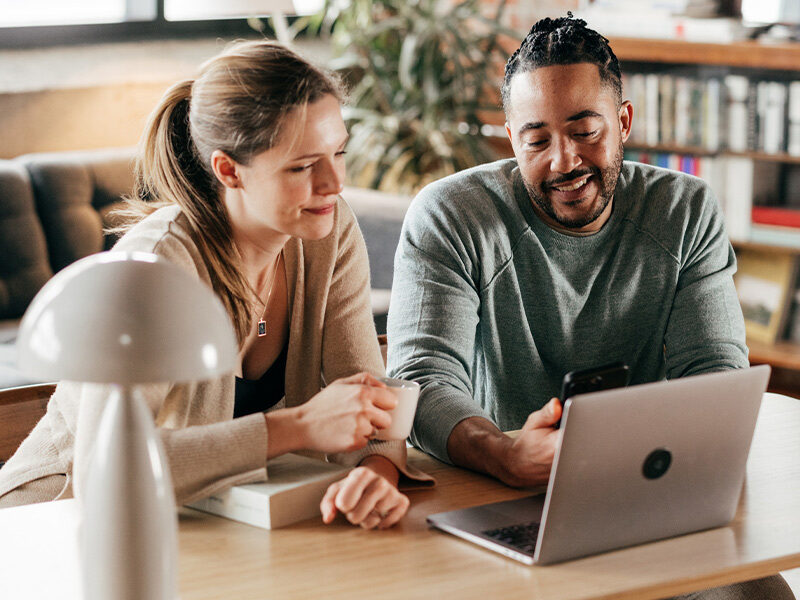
(125, 318)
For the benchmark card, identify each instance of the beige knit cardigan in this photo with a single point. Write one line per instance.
(331, 335)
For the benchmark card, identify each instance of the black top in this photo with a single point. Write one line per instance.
(257, 395)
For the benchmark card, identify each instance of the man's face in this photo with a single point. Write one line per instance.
(567, 131)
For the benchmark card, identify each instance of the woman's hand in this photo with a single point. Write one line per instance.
(346, 414)
(366, 499)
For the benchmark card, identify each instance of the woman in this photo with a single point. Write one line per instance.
(242, 169)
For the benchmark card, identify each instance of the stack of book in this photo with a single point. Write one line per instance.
(663, 19)
(292, 493)
(731, 112)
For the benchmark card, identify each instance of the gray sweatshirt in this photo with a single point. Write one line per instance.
(491, 307)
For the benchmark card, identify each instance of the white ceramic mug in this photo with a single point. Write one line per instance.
(407, 393)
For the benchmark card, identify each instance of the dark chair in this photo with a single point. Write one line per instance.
(20, 410)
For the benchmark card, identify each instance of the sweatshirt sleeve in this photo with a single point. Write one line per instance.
(705, 331)
(433, 320)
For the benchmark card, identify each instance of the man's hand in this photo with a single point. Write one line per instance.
(478, 444)
(529, 457)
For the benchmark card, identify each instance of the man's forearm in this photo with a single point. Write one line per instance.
(477, 444)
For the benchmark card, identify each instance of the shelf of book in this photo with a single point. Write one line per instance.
(700, 151)
(746, 54)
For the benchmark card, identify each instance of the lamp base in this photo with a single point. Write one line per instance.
(129, 522)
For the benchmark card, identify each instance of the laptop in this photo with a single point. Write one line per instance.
(633, 465)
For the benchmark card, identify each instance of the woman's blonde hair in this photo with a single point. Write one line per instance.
(238, 104)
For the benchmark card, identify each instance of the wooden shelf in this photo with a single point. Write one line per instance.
(748, 54)
(785, 355)
(746, 245)
(698, 151)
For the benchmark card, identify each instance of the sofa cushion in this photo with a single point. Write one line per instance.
(73, 191)
(24, 264)
(380, 217)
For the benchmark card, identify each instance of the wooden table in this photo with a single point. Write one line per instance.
(224, 559)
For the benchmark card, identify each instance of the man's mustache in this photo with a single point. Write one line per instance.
(571, 176)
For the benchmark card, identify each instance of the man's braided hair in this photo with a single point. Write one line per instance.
(563, 41)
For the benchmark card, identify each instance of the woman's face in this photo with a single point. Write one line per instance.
(292, 188)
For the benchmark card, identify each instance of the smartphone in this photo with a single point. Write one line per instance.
(609, 376)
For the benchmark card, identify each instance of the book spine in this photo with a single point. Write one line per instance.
(652, 112)
(683, 102)
(696, 103)
(712, 110)
(793, 142)
(777, 216)
(227, 504)
(774, 117)
(739, 197)
(755, 104)
(638, 98)
(736, 89)
(666, 100)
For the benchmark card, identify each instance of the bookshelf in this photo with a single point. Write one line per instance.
(750, 55)
(759, 62)
(781, 157)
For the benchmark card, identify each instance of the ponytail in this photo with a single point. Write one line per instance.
(169, 171)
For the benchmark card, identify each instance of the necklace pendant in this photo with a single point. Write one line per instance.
(262, 328)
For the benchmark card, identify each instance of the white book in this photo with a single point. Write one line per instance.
(712, 170)
(762, 101)
(638, 97)
(738, 197)
(711, 115)
(736, 87)
(793, 135)
(293, 492)
(683, 103)
(774, 118)
(666, 109)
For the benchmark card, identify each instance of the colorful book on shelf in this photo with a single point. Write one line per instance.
(776, 215)
(292, 493)
(765, 282)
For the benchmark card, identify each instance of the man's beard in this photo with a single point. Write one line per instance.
(607, 179)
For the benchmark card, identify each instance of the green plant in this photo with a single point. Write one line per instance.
(420, 73)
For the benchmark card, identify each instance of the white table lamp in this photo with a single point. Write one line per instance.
(126, 319)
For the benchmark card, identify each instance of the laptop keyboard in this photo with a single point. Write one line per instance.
(522, 536)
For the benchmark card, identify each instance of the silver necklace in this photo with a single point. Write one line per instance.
(262, 324)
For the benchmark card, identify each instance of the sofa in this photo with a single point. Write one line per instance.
(54, 207)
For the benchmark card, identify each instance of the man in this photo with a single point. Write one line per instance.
(509, 275)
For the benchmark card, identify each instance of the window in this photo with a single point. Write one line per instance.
(48, 22)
